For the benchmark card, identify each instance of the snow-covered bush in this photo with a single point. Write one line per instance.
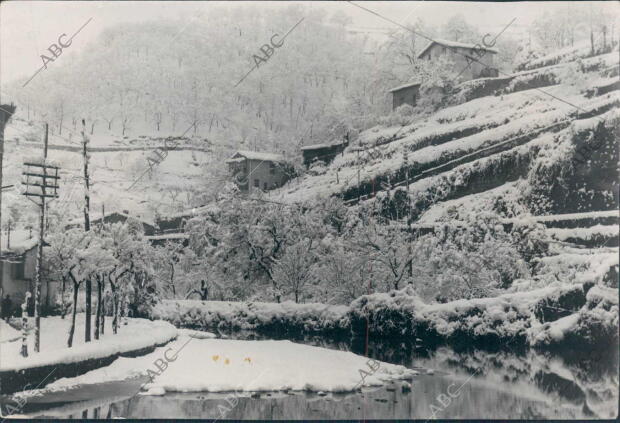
(401, 116)
(262, 317)
(573, 74)
(438, 81)
(488, 322)
(594, 328)
(317, 167)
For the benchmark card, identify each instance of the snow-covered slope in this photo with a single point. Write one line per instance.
(120, 177)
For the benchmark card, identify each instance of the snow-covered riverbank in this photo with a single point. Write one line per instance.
(135, 335)
(539, 317)
(219, 365)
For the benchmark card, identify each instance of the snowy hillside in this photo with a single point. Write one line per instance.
(530, 111)
(120, 176)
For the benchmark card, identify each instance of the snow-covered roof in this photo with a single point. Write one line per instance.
(191, 212)
(20, 241)
(97, 216)
(319, 146)
(407, 85)
(256, 155)
(455, 44)
(168, 236)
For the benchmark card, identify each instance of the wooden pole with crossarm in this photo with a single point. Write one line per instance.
(41, 182)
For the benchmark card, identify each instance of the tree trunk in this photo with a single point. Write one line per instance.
(103, 311)
(98, 315)
(62, 298)
(114, 310)
(174, 293)
(89, 288)
(72, 329)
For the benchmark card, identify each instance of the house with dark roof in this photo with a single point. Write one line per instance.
(258, 171)
(473, 61)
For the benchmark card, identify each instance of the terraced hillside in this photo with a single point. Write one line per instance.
(539, 145)
(507, 134)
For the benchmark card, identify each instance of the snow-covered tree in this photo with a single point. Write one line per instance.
(293, 272)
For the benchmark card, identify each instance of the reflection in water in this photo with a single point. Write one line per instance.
(482, 384)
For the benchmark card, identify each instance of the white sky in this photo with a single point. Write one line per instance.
(28, 28)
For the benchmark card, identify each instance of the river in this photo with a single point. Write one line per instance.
(453, 384)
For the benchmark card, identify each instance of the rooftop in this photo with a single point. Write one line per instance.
(20, 241)
(94, 217)
(407, 85)
(455, 44)
(320, 146)
(256, 155)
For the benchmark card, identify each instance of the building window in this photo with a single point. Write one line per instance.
(256, 183)
(444, 50)
(265, 186)
(272, 168)
(429, 56)
(19, 269)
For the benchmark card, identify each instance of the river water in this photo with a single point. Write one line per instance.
(454, 384)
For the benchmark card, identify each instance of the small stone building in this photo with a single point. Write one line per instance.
(472, 61)
(322, 152)
(405, 94)
(253, 170)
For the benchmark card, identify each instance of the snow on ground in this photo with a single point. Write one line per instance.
(597, 231)
(511, 316)
(598, 317)
(7, 333)
(135, 335)
(517, 114)
(574, 216)
(217, 365)
(577, 265)
(475, 203)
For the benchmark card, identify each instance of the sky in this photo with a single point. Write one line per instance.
(28, 28)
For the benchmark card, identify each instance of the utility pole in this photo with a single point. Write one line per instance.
(89, 286)
(6, 111)
(359, 193)
(409, 252)
(40, 185)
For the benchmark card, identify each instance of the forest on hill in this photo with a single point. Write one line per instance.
(186, 77)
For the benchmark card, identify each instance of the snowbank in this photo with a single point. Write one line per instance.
(217, 365)
(262, 317)
(7, 333)
(593, 329)
(515, 317)
(597, 232)
(137, 334)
